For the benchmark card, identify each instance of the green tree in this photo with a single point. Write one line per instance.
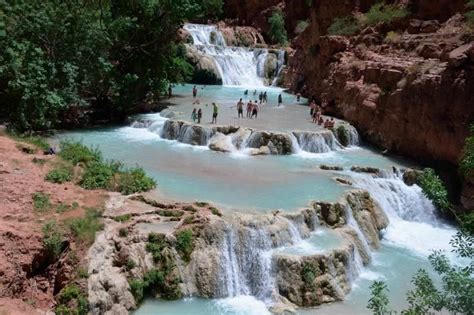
(277, 29)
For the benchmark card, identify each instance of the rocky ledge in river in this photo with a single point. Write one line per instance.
(175, 250)
(258, 142)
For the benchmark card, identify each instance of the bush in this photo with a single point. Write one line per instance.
(59, 175)
(97, 176)
(82, 273)
(85, 228)
(135, 180)
(130, 264)
(123, 217)
(184, 243)
(52, 240)
(277, 29)
(156, 242)
(392, 37)
(308, 273)
(41, 201)
(467, 162)
(382, 12)
(68, 294)
(344, 26)
(343, 135)
(137, 287)
(215, 211)
(301, 26)
(433, 189)
(76, 152)
(378, 302)
(123, 232)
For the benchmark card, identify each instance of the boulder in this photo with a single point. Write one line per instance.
(221, 143)
(460, 55)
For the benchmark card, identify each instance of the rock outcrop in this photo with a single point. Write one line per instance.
(205, 68)
(407, 93)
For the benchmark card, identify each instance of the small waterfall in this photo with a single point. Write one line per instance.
(317, 142)
(353, 223)
(354, 138)
(280, 66)
(236, 65)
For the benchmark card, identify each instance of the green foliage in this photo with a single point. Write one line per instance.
(344, 26)
(38, 142)
(379, 302)
(467, 162)
(76, 152)
(342, 135)
(106, 56)
(308, 273)
(85, 228)
(82, 273)
(97, 176)
(457, 281)
(52, 240)
(59, 175)
(301, 26)
(433, 189)
(41, 201)
(66, 296)
(123, 232)
(62, 207)
(382, 12)
(130, 264)
(135, 180)
(470, 13)
(392, 37)
(201, 204)
(184, 243)
(277, 30)
(137, 288)
(156, 242)
(123, 217)
(215, 211)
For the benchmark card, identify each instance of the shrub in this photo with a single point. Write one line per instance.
(215, 211)
(467, 162)
(82, 273)
(156, 242)
(308, 273)
(392, 37)
(344, 26)
(201, 204)
(189, 208)
(433, 189)
(137, 288)
(184, 243)
(123, 217)
(342, 135)
(135, 180)
(52, 240)
(41, 201)
(123, 232)
(85, 228)
(130, 264)
(301, 26)
(378, 302)
(97, 176)
(277, 29)
(382, 12)
(68, 294)
(189, 219)
(76, 152)
(59, 175)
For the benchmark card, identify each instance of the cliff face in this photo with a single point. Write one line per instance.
(411, 94)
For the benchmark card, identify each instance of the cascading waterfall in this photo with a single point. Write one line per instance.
(236, 65)
(280, 66)
(317, 142)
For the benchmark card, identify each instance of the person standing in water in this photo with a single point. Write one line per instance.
(195, 91)
(240, 109)
(280, 100)
(255, 110)
(312, 108)
(249, 108)
(265, 97)
(260, 97)
(215, 111)
(170, 91)
(194, 115)
(199, 115)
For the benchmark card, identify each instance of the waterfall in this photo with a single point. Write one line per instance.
(413, 221)
(236, 65)
(280, 66)
(316, 142)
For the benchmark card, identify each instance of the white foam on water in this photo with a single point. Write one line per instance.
(242, 305)
(138, 134)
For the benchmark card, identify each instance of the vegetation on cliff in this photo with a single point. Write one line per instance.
(277, 29)
(107, 57)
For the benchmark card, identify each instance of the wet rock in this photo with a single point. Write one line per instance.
(410, 176)
(221, 143)
(205, 68)
(331, 214)
(343, 181)
(361, 169)
(331, 167)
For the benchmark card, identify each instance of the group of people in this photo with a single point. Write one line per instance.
(315, 112)
(196, 115)
(252, 109)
